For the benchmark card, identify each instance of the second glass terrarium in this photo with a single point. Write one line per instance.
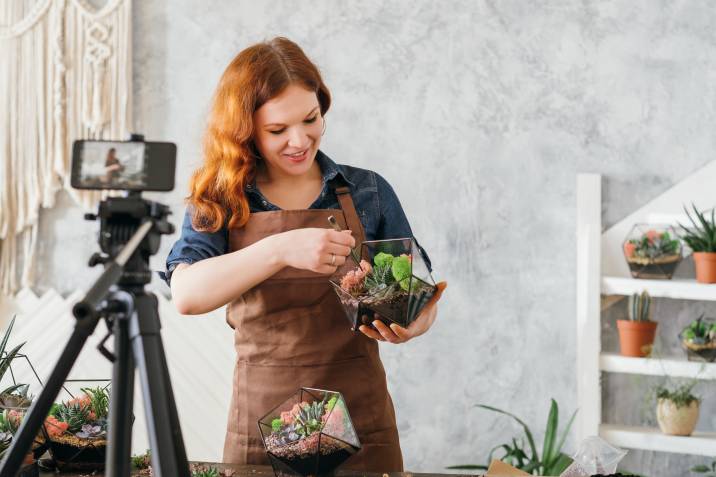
(310, 433)
(652, 251)
(391, 283)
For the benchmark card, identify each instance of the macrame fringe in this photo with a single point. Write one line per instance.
(66, 69)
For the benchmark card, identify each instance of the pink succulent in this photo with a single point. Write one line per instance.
(55, 427)
(652, 235)
(629, 249)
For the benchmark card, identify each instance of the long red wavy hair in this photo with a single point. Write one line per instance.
(254, 76)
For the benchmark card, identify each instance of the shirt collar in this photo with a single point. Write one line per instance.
(329, 171)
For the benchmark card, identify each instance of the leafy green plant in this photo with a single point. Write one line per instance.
(709, 470)
(681, 395)
(702, 237)
(640, 306)
(6, 358)
(552, 461)
(701, 331)
(142, 461)
(99, 401)
(205, 472)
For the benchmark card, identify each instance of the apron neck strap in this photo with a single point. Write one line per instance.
(349, 211)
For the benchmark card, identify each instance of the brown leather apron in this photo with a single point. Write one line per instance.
(291, 332)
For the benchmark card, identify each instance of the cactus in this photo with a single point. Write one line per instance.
(640, 307)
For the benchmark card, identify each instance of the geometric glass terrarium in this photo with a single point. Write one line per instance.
(18, 383)
(652, 251)
(392, 283)
(76, 427)
(310, 433)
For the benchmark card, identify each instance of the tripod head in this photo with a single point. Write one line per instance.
(120, 218)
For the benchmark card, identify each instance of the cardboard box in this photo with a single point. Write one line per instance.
(500, 469)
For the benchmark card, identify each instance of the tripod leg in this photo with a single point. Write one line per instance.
(35, 418)
(168, 452)
(119, 439)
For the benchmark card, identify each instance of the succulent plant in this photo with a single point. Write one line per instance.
(651, 244)
(98, 401)
(74, 414)
(309, 418)
(5, 441)
(702, 237)
(640, 306)
(700, 331)
(90, 432)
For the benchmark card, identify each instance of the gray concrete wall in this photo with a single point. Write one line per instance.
(480, 113)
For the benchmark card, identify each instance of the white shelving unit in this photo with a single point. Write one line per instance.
(603, 274)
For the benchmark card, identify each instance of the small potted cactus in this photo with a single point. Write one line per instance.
(636, 335)
(391, 284)
(699, 340)
(76, 430)
(311, 433)
(701, 239)
(677, 410)
(652, 251)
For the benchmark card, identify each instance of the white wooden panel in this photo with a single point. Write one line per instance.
(682, 289)
(615, 363)
(589, 219)
(647, 438)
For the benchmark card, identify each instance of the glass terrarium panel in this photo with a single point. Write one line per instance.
(392, 283)
(652, 251)
(310, 433)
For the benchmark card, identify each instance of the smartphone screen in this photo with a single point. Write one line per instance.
(123, 165)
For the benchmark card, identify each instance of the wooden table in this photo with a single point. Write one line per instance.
(267, 471)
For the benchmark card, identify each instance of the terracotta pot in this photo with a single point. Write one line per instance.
(705, 267)
(677, 421)
(636, 337)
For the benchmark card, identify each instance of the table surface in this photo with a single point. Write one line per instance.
(267, 471)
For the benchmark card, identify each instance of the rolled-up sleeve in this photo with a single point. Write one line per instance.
(194, 246)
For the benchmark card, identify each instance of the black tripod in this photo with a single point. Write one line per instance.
(129, 235)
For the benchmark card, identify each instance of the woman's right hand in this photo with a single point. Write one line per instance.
(315, 248)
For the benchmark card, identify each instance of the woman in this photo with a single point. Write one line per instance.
(256, 237)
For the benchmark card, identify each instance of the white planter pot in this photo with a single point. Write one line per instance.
(677, 421)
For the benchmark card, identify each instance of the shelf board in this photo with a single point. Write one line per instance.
(681, 368)
(676, 288)
(648, 438)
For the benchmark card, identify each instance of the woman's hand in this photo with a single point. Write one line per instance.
(319, 250)
(397, 334)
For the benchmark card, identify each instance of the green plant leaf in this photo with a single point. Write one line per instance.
(550, 433)
(559, 465)
(700, 469)
(528, 433)
(560, 443)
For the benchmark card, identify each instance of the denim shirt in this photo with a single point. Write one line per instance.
(375, 201)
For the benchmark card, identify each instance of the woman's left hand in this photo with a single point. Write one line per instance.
(397, 334)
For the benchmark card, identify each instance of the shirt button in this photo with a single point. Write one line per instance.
(264, 202)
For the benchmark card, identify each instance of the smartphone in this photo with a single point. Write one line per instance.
(123, 165)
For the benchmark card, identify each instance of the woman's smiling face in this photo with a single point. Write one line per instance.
(288, 131)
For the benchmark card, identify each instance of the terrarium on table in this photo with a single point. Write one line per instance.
(652, 251)
(311, 433)
(391, 283)
(76, 427)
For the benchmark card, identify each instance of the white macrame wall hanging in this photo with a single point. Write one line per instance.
(65, 74)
